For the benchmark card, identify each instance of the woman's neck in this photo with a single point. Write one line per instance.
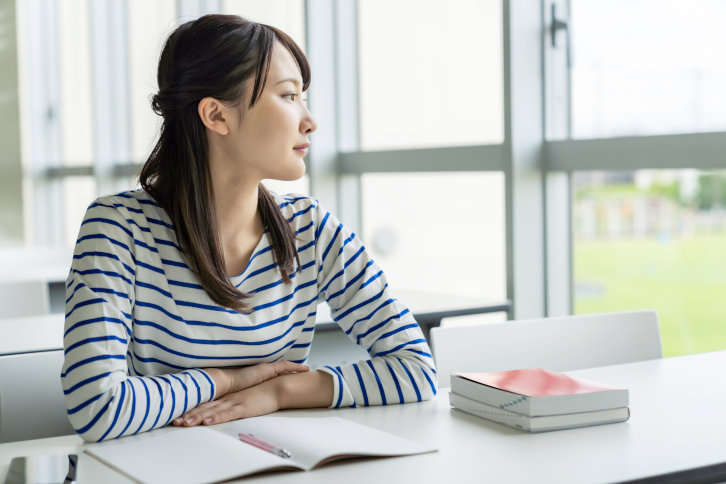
(238, 216)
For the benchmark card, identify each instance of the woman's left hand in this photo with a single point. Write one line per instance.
(259, 399)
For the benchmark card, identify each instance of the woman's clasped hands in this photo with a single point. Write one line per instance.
(242, 392)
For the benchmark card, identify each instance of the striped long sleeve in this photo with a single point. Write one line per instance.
(139, 325)
(104, 400)
(401, 367)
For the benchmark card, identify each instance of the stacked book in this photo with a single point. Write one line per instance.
(537, 400)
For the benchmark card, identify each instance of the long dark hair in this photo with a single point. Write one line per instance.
(211, 57)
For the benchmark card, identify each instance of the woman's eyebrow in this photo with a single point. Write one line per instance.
(290, 79)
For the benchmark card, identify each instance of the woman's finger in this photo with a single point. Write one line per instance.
(287, 367)
(254, 401)
(194, 416)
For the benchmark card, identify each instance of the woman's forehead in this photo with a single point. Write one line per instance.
(283, 66)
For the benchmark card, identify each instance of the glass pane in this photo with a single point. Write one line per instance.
(647, 67)
(78, 193)
(75, 83)
(654, 239)
(438, 232)
(286, 15)
(430, 73)
(149, 25)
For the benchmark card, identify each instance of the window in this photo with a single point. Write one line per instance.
(647, 67)
(418, 132)
(430, 73)
(438, 232)
(645, 163)
(430, 159)
(653, 239)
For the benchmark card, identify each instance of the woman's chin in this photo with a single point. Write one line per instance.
(294, 173)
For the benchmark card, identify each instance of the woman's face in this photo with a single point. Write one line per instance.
(273, 136)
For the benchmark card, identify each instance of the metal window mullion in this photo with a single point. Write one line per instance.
(524, 138)
(66, 171)
(697, 150)
(557, 119)
(347, 120)
(507, 131)
(322, 160)
(455, 158)
(110, 85)
(558, 247)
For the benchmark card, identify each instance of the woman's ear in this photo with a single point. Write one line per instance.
(214, 115)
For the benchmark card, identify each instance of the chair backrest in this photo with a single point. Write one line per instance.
(24, 298)
(29, 334)
(558, 344)
(32, 404)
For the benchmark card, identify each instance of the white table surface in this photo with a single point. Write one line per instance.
(678, 422)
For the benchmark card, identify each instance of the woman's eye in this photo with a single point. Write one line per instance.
(291, 96)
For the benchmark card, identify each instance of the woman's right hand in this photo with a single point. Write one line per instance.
(231, 380)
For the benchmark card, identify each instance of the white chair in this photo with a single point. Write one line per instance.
(24, 298)
(32, 404)
(29, 334)
(32, 280)
(558, 344)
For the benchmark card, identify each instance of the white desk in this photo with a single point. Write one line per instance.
(332, 345)
(678, 423)
(430, 308)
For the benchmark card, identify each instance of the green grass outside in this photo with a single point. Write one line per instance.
(684, 280)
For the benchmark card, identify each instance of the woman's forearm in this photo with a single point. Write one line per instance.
(221, 381)
(305, 390)
(232, 380)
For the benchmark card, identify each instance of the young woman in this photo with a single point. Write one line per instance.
(193, 299)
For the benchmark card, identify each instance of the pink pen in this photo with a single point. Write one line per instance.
(261, 444)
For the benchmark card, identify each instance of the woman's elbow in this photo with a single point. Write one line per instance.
(95, 419)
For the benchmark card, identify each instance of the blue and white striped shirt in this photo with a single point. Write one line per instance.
(139, 325)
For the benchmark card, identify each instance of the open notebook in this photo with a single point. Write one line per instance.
(211, 454)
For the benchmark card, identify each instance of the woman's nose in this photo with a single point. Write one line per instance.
(308, 124)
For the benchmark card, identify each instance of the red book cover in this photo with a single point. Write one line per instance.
(536, 382)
